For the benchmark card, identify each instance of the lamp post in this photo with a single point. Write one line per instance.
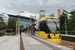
(19, 20)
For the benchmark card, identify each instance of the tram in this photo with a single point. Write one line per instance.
(48, 28)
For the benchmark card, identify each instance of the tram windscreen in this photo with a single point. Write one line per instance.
(53, 25)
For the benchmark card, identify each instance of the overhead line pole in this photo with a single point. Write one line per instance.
(32, 22)
(65, 26)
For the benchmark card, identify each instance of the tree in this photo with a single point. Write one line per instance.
(62, 21)
(2, 24)
(71, 23)
(1, 19)
(12, 23)
(52, 15)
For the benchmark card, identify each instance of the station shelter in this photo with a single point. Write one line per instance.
(22, 21)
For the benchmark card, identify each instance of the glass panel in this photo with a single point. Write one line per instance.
(53, 25)
(42, 26)
(37, 26)
(57, 22)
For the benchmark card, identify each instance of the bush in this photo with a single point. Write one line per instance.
(2, 34)
(9, 33)
(62, 32)
(68, 32)
(72, 32)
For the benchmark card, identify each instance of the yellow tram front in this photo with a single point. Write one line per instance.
(48, 28)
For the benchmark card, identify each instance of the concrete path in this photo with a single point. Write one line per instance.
(10, 42)
(32, 44)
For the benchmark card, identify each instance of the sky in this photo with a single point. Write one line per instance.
(30, 7)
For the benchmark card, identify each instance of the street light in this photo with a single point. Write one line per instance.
(19, 20)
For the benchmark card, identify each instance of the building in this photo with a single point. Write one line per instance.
(41, 14)
(71, 13)
(61, 11)
(23, 20)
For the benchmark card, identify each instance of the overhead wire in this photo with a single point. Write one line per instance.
(70, 5)
(67, 5)
(41, 6)
(56, 11)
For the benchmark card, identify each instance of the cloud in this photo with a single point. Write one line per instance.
(28, 14)
(31, 6)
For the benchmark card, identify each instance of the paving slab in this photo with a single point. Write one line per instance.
(32, 44)
(10, 43)
(3, 38)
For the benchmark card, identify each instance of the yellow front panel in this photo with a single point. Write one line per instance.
(54, 38)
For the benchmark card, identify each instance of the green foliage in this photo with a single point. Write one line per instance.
(63, 27)
(71, 23)
(9, 34)
(70, 26)
(2, 24)
(71, 32)
(62, 32)
(52, 15)
(1, 19)
(62, 21)
(68, 32)
(12, 23)
(2, 34)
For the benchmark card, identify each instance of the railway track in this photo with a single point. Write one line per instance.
(68, 44)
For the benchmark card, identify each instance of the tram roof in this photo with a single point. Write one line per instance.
(44, 18)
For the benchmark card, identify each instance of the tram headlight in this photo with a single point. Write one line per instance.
(59, 36)
(48, 36)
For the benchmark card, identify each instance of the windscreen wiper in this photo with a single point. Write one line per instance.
(56, 25)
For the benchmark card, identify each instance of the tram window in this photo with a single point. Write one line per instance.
(37, 27)
(47, 29)
(42, 26)
(53, 25)
(58, 25)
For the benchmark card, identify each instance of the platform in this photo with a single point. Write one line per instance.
(29, 43)
(10, 42)
(34, 43)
